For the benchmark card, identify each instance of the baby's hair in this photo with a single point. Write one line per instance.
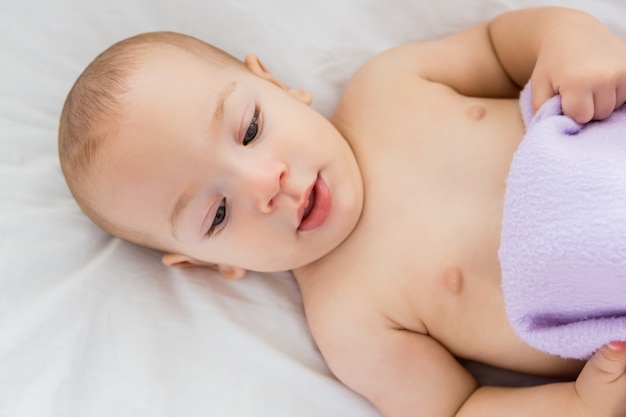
(95, 103)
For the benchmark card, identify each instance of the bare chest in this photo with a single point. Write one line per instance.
(424, 253)
(431, 224)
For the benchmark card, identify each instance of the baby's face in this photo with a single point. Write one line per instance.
(227, 167)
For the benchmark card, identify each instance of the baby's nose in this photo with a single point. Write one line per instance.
(264, 184)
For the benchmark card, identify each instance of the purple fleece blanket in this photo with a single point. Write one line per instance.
(563, 247)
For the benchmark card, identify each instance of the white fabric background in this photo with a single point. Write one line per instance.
(92, 326)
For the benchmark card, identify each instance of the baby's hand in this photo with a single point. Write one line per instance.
(586, 64)
(601, 386)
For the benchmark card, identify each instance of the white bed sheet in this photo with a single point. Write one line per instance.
(93, 326)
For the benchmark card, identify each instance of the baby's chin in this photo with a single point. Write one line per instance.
(313, 257)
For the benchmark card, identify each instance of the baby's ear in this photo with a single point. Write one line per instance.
(175, 260)
(255, 65)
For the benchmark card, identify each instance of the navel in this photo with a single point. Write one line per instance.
(453, 279)
(476, 112)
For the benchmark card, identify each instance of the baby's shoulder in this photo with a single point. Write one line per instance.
(384, 71)
(336, 299)
(344, 319)
(382, 85)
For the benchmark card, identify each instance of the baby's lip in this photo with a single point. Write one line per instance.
(315, 206)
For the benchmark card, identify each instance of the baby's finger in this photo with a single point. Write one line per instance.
(609, 363)
(604, 102)
(601, 384)
(620, 96)
(542, 91)
(579, 105)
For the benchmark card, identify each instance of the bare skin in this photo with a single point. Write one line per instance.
(434, 173)
(434, 167)
(446, 200)
(402, 277)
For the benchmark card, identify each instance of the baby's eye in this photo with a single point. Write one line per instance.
(253, 129)
(220, 216)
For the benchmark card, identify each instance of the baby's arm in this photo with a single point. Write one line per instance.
(407, 374)
(560, 50)
(564, 52)
(600, 390)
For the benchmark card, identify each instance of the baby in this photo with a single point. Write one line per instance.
(389, 213)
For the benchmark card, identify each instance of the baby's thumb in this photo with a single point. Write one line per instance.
(610, 361)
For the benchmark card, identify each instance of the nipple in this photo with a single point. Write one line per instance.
(476, 112)
(453, 280)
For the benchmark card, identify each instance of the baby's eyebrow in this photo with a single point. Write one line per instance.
(181, 202)
(218, 113)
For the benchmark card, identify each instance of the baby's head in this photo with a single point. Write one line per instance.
(94, 109)
(171, 143)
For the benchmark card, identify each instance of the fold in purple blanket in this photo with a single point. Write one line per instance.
(563, 247)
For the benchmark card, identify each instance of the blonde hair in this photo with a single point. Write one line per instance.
(95, 103)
